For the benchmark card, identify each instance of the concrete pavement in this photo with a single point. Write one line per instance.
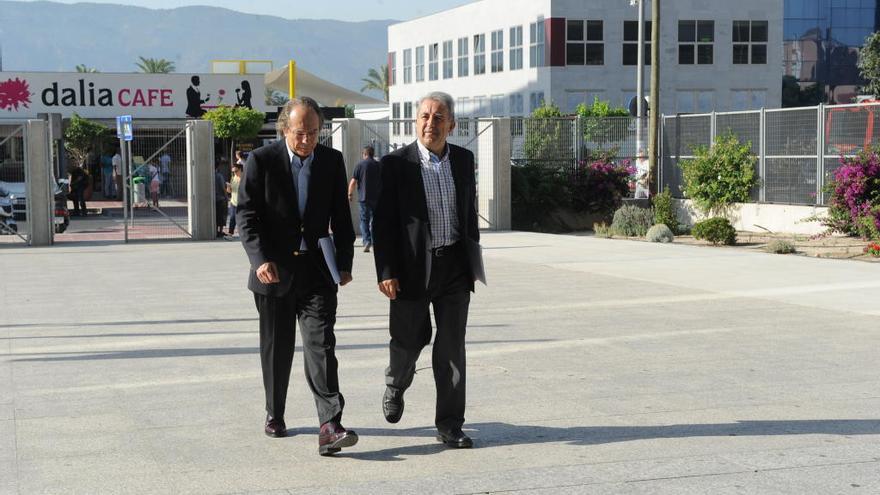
(595, 366)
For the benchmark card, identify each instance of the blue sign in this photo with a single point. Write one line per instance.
(123, 128)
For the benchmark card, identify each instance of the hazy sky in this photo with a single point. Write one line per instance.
(344, 10)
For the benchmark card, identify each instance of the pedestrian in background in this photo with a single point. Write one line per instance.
(368, 181)
(219, 198)
(233, 184)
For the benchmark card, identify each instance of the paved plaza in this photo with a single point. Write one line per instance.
(595, 366)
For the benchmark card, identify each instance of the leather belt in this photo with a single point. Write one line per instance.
(442, 251)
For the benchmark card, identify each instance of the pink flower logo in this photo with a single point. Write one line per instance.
(14, 92)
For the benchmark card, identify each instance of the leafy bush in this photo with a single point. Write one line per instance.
(720, 175)
(600, 186)
(854, 207)
(660, 233)
(873, 249)
(715, 230)
(598, 127)
(536, 190)
(602, 230)
(632, 221)
(82, 134)
(664, 210)
(780, 246)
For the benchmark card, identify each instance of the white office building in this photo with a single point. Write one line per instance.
(504, 57)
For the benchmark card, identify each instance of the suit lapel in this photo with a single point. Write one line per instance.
(286, 175)
(414, 180)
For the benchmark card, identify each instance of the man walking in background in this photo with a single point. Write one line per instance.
(427, 254)
(292, 195)
(367, 179)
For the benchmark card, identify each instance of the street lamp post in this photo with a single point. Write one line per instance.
(640, 76)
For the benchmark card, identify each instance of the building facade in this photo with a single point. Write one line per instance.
(504, 57)
(821, 47)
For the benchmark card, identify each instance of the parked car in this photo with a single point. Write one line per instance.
(13, 202)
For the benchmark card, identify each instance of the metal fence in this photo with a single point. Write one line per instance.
(798, 149)
(568, 141)
(14, 226)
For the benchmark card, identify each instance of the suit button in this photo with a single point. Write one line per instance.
(302, 229)
(296, 253)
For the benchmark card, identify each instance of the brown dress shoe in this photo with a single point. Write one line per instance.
(275, 427)
(334, 437)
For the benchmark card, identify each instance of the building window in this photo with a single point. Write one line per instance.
(750, 42)
(584, 43)
(433, 63)
(392, 68)
(479, 54)
(575, 97)
(747, 99)
(447, 59)
(407, 118)
(516, 104)
(462, 57)
(407, 66)
(694, 101)
(481, 106)
(695, 42)
(631, 43)
(516, 52)
(497, 105)
(420, 63)
(497, 51)
(536, 44)
(395, 116)
(536, 100)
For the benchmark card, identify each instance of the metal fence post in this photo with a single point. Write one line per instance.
(820, 153)
(762, 157)
(712, 128)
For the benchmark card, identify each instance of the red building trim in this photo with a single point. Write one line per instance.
(554, 48)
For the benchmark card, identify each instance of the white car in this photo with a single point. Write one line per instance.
(13, 202)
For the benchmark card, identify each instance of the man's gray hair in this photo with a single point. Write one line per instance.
(443, 98)
(303, 101)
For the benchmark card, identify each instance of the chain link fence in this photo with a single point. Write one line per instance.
(14, 226)
(798, 149)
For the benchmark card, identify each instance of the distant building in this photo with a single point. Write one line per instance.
(822, 43)
(504, 57)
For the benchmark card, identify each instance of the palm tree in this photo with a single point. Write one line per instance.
(84, 68)
(155, 65)
(377, 80)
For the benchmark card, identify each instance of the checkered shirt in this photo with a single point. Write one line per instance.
(440, 195)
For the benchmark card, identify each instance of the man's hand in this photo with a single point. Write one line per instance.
(344, 278)
(268, 273)
(390, 288)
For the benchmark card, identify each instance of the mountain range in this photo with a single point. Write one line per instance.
(49, 36)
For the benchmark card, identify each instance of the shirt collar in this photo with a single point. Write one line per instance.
(303, 162)
(429, 156)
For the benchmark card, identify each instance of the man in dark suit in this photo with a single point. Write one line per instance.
(427, 241)
(291, 192)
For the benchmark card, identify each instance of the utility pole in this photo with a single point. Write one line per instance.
(653, 127)
(640, 79)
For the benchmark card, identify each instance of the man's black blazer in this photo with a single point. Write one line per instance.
(401, 229)
(268, 216)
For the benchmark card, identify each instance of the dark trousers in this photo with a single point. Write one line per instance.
(410, 326)
(315, 308)
(366, 222)
(79, 200)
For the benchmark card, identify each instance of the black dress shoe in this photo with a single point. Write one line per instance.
(275, 427)
(334, 437)
(392, 404)
(455, 438)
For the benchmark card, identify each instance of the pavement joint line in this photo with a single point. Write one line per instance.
(756, 471)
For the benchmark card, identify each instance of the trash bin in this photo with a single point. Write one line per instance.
(139, 191)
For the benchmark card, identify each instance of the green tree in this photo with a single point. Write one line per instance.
(869, 63)
(235, 124)
(82, 134)
(603, 123)
(84, 68)
(720, 175)
(377, 80)
(793, 95)
(155, 65)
